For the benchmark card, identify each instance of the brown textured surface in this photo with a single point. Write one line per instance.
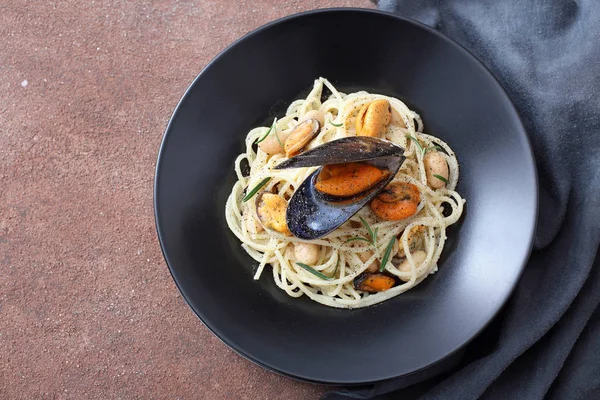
(88, 309)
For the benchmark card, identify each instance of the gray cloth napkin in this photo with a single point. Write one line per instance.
(546, 341)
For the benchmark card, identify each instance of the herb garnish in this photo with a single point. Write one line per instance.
(277, 137)
(372, 234)
(414, 139)
(354, 239)
(256, 188)
(386, 255)
(441, 178)
(313, 271)
(373, 242)
(336, 125)
(269, 131)
(337, 264)
(424, 150)
(434, 147)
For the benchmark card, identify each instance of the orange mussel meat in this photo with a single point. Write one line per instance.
(345, 180)
(374, 283)
(398, 200)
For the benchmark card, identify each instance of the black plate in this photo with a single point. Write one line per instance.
(256, 78)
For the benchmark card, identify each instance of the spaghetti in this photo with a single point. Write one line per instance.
(413, 244)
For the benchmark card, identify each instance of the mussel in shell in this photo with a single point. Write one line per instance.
(357, 169)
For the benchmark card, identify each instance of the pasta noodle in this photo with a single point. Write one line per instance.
(339, 259)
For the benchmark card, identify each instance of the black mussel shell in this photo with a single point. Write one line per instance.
(311, 214)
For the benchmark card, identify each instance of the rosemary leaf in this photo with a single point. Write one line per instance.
(313, 271)
(416, 142)
(386, 255)
(269, 131)
(358, 238)
(277, 137)
(337, 264)
(256, 188)
(441, 178)
(434, 147)
(366, 224)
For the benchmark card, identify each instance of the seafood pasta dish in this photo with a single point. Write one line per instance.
(344, 199)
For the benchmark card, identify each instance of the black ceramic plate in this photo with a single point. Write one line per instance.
(256, 78)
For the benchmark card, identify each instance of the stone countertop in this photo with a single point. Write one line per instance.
(88, 307)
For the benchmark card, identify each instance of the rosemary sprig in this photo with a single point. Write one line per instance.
(269, 131)
(414, 139)
(423, 149)
(371, 233)
(313, 271)
(358, 238)
(441, 178)
(337, 264)
(334, 124)
(434, 147)
(256, 188)
(386, 255)
(277, 137)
